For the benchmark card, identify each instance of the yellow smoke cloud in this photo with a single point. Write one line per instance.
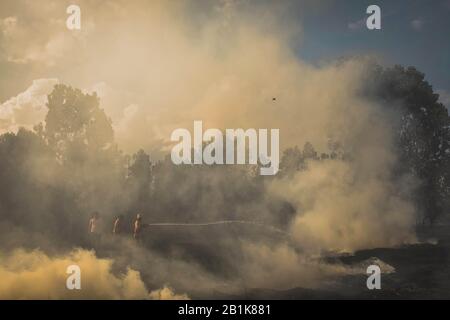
(35, 275)
(166, 293)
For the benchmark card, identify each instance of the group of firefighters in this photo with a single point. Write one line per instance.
(118, 227)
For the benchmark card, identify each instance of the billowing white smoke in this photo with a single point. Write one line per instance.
(162, 66)
(343, 209)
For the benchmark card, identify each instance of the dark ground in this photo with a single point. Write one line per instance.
(422, 271)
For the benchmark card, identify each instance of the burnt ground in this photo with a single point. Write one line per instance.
(422, 271)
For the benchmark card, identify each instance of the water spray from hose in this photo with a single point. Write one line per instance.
(221, 222)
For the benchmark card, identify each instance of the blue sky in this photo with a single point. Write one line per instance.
(414, 32)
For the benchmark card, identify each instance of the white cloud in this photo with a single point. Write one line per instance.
(417, 24)
(356, 25)
(27, 108)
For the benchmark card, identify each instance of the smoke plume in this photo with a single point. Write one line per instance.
(158, 66)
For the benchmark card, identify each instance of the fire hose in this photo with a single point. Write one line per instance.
(200, 224)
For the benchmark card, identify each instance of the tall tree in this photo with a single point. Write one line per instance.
(424, 132)
(140, 175)
(75, 121)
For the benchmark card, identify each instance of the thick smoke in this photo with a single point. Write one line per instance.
(344, 209)
(157, 67)
(34, 275)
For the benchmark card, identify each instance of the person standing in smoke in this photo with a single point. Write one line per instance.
(138, 226)
(94, 229)
(118, 225)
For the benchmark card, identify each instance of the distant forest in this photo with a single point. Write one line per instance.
(53, 177)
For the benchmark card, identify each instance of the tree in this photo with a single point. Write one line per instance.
(423, 135)
(75, 121)
(31, 197)
(140, 175)
(82, 137)
(309, 152)
(291, 161)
